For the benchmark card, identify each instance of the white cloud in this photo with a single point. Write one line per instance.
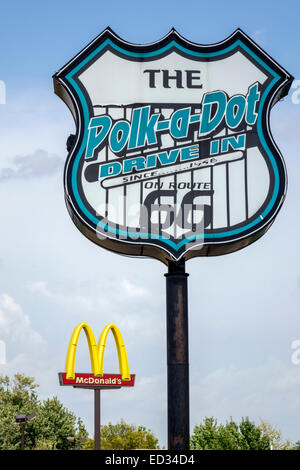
(22, 344)
(268, 391)
(15, 325)
(257, 36)
(32, 119)
(132, 290)
(36, 164)
(39, 287)
(66, 297)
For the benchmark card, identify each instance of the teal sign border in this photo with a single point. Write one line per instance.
(110, 43)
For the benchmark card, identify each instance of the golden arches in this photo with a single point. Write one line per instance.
(122, 354)
(96, 350)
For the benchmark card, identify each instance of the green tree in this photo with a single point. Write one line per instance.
(252, 437)
(53, 422)
(275, 437)
(230, 436)
(16, 397)
(123, 436)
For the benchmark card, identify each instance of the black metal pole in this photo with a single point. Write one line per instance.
(22, 426)
(97, 420)
(177, 357)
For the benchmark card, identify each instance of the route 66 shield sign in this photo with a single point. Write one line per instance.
(173, 155)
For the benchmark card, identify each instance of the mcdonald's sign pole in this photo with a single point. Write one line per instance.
(97, 421)
(173, 158)
(97, 381)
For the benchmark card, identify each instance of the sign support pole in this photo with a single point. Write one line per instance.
(177, 357)
(22, 425)
(97, 431)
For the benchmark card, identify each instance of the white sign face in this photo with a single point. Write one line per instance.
(173, 156)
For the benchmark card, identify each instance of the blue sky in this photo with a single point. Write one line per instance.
(244, 307)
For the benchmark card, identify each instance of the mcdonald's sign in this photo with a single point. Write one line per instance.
(96, 350)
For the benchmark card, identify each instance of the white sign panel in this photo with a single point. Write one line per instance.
(173, 155)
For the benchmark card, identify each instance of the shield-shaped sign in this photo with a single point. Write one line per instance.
(173, 155)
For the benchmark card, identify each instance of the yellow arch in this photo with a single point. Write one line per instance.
(122, 354)
(93, 348)
(96, 350)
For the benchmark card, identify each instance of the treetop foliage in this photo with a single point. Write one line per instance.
(48, 430)
(123, 436)
(54, 423)
(245, 435)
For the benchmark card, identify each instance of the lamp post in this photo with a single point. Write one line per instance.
(22, 420)
(76, 444)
